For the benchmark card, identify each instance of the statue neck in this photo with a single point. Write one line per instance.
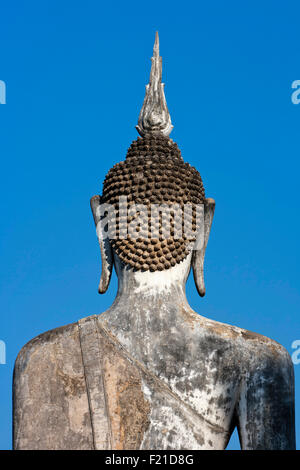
(157, 285)
(148, 300)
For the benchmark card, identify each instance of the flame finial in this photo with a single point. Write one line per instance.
(154, 117)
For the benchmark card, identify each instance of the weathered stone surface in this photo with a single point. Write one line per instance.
(50, 402)
(154, 117)
(154, 375)
(219, 375)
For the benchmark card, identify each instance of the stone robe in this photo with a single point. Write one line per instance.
(80, 387)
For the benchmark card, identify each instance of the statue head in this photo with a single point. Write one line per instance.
(153, 215)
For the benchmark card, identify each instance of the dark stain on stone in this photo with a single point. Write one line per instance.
(127, 407)
(73, 386)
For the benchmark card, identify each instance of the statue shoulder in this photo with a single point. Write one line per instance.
(269, 347)
(264, 356)
(267, 389)
(43, 342)
(247, 342)
(50, 399)
(265, 350)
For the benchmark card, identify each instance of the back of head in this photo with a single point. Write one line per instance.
(155, 196)
(154, 175)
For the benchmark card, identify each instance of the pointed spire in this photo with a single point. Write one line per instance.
(154, 116)
(156, 45)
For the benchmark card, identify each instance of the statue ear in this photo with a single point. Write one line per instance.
(200, 246)
(105, 247)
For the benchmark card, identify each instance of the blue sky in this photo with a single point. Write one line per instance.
(75, 74)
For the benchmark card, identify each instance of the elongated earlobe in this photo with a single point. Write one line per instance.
(105, 247)
(199, 254)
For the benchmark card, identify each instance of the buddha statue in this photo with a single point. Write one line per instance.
(150, 373)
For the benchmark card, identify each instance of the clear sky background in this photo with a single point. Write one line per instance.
(75, 73)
